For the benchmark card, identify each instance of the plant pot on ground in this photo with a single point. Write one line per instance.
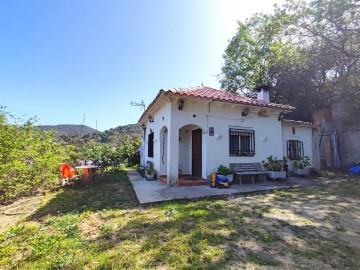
(151, 174)
(301, 166)
(225, 172)
(275, 166)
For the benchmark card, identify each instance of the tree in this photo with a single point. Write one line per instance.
(103, 152)
(29, 158)
(253, 51)
(129, 152)
(332, 28)
(308, 52)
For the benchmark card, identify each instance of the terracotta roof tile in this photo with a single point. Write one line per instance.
(204, 92)
(300, 123)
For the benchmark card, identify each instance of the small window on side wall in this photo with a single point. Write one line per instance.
(241, 142)
(151, 144)
(295, 149)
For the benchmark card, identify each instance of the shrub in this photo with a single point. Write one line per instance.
(274, 164)
(223, 170)
(302, 162)
(29, 158)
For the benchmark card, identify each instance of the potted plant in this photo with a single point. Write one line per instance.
(275, 166)
(141, 171)
(301, 165)
(225, 172)
(150, 173)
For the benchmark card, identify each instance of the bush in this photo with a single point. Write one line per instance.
(302, 162)
(223, 170)
(126, 152)
(274, 164)
(29, 158)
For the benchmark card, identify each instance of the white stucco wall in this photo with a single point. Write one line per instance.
(302, 133)
(161, 120)
(270, 135)
(220, 116)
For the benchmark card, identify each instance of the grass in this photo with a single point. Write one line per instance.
(101, 226)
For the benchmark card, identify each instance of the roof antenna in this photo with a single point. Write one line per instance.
(81, 130)
(82, 126)
(142, 104)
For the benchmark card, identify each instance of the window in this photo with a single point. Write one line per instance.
(242, 142)
(151, 144)
(295, 149)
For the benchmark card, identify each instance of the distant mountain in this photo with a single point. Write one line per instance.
(70, 130)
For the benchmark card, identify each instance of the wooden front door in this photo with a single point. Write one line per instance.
(196, 152)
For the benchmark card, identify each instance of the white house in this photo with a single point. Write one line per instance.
(192, 131)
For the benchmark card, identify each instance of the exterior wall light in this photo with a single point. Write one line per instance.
(245, 112)
(181, 104)
(151, 119)
(144, 130)
(281, 116)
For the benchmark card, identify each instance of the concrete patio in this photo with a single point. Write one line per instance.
(154, 191)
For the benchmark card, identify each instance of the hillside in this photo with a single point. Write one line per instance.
(69, 130)
(114, 135)
(71, 133)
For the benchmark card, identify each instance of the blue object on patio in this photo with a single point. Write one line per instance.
(221, 181)
(354, 169)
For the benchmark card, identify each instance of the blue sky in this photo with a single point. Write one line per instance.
(62, 59)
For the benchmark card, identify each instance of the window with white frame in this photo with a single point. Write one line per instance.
(241, 142)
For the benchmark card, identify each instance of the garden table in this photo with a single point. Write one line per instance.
(88, 172)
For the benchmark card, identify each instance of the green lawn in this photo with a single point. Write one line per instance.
(101, 226)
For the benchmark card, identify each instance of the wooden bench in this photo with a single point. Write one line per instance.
(248, 169)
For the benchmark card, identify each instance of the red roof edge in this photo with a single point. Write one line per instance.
(213, 95)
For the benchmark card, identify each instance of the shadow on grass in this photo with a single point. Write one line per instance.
(111, 190)
(190, 234)
(178, 234)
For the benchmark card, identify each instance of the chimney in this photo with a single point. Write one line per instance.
(263, 93)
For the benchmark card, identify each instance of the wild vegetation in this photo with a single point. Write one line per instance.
(125, 153)
(101, 226)
(306, 51)
(30, 157)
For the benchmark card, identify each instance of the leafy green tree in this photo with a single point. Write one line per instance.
(29, 158)
(258, 46)
(102, 152)
(330, 29)
(128, 151)
(308, 52)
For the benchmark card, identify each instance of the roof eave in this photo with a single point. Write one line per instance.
(162, 92)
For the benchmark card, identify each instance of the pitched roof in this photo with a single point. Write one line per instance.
(299, 123)
(204, 92)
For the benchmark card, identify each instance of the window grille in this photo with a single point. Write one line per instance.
(295, 149)
(151, 144)
(241, 142)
